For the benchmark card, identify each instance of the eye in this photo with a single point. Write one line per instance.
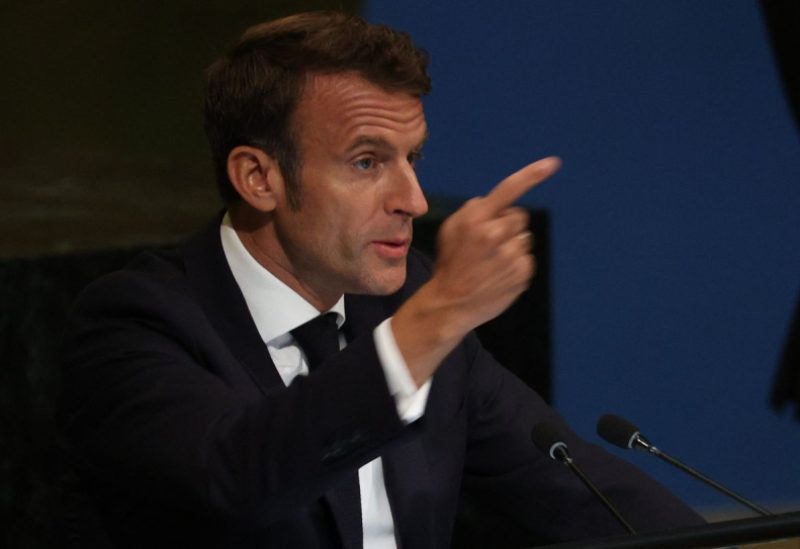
(364, 164)
(414, 158)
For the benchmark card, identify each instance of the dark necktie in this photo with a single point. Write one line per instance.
(319, 339)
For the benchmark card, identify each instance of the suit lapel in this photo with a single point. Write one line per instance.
(216, 290)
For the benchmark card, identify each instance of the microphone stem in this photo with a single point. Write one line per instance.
(567, 460)
(698, 475)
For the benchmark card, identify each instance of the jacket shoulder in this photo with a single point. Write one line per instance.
(150, 274)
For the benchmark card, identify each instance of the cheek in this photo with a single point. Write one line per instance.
(344, 222)
(347, 243)
(351, 230)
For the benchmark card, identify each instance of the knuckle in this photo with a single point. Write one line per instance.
(509, 253)
(489, 234)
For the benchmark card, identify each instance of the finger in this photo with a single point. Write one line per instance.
(510, 251)
(518, 183)
(520, 215)
(528, 240)
(499, 229)
(519, 270)
(515, 220)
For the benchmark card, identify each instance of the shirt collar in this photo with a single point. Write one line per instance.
(276, 308)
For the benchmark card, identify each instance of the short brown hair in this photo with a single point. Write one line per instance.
(252, 91)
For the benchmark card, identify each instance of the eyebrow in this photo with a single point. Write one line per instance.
(381, 143)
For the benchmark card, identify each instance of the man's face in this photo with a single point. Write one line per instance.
(357, 145)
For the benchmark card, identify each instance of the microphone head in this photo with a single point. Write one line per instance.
(547, 439)
(618, 431)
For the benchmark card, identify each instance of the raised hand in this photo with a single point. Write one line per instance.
(484, 258)
(484, 262)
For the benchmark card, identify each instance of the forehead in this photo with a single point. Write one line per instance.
(345, 106)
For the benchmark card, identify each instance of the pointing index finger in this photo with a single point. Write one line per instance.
(518, 183)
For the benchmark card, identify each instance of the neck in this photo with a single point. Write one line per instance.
(256, 233)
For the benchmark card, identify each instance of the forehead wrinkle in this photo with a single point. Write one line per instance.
(396, 114)
(353, 92)
(354, 122)
(362, 105)
(359, 120)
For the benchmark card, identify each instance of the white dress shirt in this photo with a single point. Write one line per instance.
(276, 309)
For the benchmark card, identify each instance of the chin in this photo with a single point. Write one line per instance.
(386, 284)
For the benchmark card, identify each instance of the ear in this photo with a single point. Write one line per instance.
(256, 177)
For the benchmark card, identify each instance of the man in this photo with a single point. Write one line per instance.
(191, 411)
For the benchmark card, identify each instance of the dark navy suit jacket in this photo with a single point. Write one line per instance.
(183, 434)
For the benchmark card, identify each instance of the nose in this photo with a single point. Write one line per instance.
(406, 197)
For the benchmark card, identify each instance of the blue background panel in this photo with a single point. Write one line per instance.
(675, 218)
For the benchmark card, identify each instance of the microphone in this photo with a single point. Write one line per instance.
(624, 434)
(546, 437)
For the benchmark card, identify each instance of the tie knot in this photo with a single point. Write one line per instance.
(319, 338)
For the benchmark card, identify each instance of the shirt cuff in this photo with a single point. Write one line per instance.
(409, 399)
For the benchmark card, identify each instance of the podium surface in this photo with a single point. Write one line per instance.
(773, 532)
